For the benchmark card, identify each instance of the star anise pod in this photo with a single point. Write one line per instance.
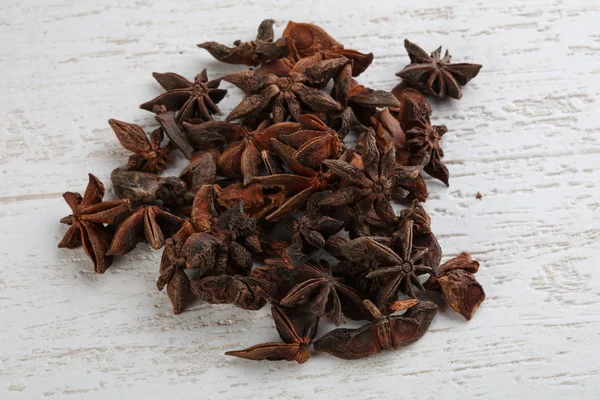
(149, 156)
(146, 188)
(311, 231)
(325, 294)
(308, 39)
(384, 333)
(243, 158)
(315, 142)
(247, 293)
(456, 280)
(202, 170)
(295, 347)
(435, 75)
(256, 52)
(205, 135)
(87, 228)
(257, 201)
(150, 224)
(298, 186)
(282, 96)
(373, 186)
(423, 141)
(348, 92)
(281, 273)
(196, 99)
(399, 266)
(172, 274)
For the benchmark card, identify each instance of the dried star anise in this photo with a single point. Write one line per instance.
(311, 231)
(436, 75)
(172, 128)
(257, 201)
(300, 185)
(295, 347)
(196, 99)
(348, 91)
(149, 156)
(146, 188)
(282, 96)
(375, 185)
(281, 273)
(460, 288)
(87, 228)
(259, 51)
(325, 294)
(150, 224)
(384, 333)
(315, 142)
(206, 135)
(423, 141)
(243, 158)
(308, 39)
(202, 170)
(244, 292)
(172, 274)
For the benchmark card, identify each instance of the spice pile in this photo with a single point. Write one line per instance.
(280, 159)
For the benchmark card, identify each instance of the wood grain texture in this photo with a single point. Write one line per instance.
(525, 135)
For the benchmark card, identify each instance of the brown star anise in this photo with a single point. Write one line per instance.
(325, 294)
(384, 333)
(298, 186)
(307, 39)
(150, 224)
(315, 142)
(172, 274)
(87, 228)
(247, 293)
(149, 156)
(283, 96)
(259, 51)
(373, 186)
(456, 280)
(435, 75)
(257, 201)
(295, 347)
(202, 170)
(423, 141)
(243, 158)
(348, 91)
(196, 99)
(146, 188)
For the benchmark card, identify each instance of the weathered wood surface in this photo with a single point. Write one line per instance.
(525, 134)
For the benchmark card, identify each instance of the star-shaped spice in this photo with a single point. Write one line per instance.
(348, 91)
(256, 52)
(247, 293)
(299, 185)
(149, 156)
(196, 99)
(456, 280)
(436, 75)
(373, 186)
(290, 95)
(384, 333)
(399, 266)
(307, 39)
(87, 228)
(147, 188)
(243, 158)
(172, 274)
(150, 224)
(294, 347)
(325, 294)
(423, 141)
(257, 200)
(315, 142)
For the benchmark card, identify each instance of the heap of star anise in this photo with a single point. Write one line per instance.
(307, 195)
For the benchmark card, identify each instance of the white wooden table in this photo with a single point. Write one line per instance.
(526, 135)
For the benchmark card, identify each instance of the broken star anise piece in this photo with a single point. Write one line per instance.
(150, 224)
(172, 274)
(87, 228)
(202, 170)
(290, 95)
(196, 99)
(149, 156)
(384, 333)
(243, 158)
(456, 280)
(379, 181)
(348, 92)
(436, 75)
(295, 347)
(315, 142)
(146, 188)
(423, 141)
(256, 52)
(247, 293)
(325, 294)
